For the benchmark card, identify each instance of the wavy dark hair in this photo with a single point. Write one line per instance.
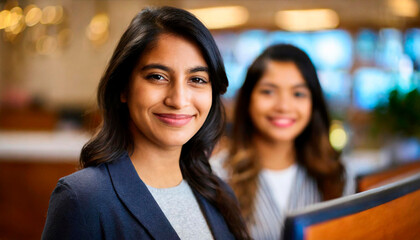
(114, 138)
(313, 149)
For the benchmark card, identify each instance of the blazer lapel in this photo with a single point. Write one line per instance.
(137, 198)
(215, 220)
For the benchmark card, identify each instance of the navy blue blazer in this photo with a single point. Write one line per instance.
(110, 201)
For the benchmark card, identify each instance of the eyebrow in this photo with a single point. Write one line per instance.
(168, 69)
(158, 66)
(269, 85)
(300, 85)
(198, 69)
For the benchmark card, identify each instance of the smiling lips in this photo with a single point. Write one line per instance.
(174, 120)
(282, 122)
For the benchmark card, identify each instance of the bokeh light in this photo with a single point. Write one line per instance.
(338, 136)
(222, 17)
(98, 29)
(46, 45)
(33, 15)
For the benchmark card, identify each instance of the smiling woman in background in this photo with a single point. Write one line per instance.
(146, 173)
(280, 158)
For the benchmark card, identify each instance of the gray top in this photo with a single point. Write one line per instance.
(268, 219)
(182, 210)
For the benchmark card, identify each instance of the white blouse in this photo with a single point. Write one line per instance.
(280, 183)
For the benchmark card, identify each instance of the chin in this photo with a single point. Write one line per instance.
(283, 138)
(174, 141)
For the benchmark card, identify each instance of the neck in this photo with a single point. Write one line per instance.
(274, 155)
(156, 166)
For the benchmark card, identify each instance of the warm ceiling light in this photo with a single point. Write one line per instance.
(59, 15)
(98, 29)
(4, 19)
(33, 15)
(9, 19)
(404, 8)
(52, 15)
(222, 17)
(307, 20)
(99, 23)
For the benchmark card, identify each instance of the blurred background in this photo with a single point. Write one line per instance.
(53, 53)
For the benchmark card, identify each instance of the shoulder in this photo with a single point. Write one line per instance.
(88, 178)
(78, 197)
(217, 163)
(73, 205)
(88, 173)
(88, 186)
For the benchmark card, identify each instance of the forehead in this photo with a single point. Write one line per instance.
(173, 50)
(281, 74)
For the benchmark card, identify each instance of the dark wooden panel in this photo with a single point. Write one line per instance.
(382, 177)
(25, 189)
(28, 119)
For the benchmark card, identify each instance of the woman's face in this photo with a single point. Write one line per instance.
(281, 104)
(170, 93)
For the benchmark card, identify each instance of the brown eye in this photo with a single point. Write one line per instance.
(155, 77)
(266, 91)
(300, 94)
(198, 80)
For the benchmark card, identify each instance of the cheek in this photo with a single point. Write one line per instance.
(260, 105)
(306, 110)
(257, 111)
(141, 97)
(203, 102)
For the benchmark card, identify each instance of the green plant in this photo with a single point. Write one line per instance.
(400, 116)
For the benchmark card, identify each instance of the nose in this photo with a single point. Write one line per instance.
(284, 102)
(177, 96)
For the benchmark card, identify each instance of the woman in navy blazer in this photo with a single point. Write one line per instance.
(162, 115)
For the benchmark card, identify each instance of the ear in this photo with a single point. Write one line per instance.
(123, 97)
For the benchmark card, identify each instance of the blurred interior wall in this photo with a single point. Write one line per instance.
(68, 75)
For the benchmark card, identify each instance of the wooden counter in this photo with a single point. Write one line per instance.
(30, 165)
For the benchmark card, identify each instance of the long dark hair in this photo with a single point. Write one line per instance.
(313, 149)
(114, 139)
